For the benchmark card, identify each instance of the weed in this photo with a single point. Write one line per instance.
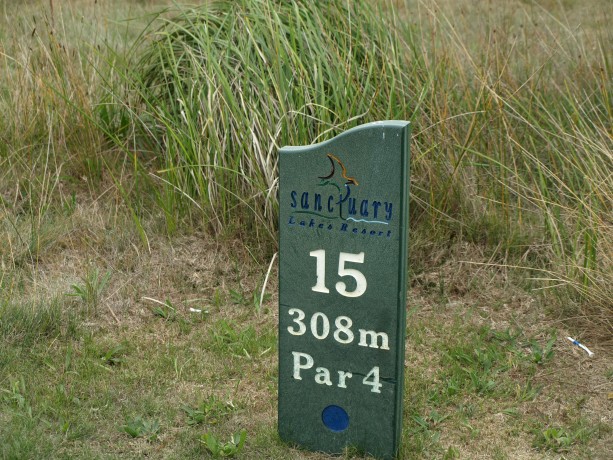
(451, 453)
(91, 288)
(165, 310)
(511, 412)
(473, 367)
(209, 411)
(113, 356)
(70, 205)
(218, 298)
(481, 383)
(138, 427)
(254, 299)
(16, 396)
(220, 449)
(560, 438)
(499, 454)
(507, 337)
(166, 313)
(434, 418)
(554, 438)
(24, 324)
(423, 439)
(238, 298)
(241, 342)
(540, 354)
(527, 392)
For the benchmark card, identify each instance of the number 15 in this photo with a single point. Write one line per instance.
(341, 287)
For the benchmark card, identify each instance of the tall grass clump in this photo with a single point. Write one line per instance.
(510, 104)
(217, 90)
(519, 114)
(512, 144)
(50, 144)
(47, 139)
(49, 87)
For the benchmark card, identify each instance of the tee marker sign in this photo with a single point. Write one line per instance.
(342, 290)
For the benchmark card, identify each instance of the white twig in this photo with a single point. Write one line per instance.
(266, 279)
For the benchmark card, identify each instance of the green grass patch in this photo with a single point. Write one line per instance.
(23, 324)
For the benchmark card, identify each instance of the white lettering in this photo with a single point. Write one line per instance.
(320, 271)
(374, 339)
(325, 326)
(298, 367)
(342, 375)
(343, 325)
(344, 257)
(360, 279)
(323, 376)
(374, 375)
(301, 326)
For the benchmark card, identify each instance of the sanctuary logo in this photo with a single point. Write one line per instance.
(336, 197)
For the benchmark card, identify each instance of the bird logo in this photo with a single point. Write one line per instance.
(342, 182)
(333, 160)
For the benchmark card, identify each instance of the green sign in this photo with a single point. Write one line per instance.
(343, 254)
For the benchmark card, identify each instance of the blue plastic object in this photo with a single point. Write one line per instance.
(335, 418)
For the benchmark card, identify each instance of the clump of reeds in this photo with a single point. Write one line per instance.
(511, 111)
(222, 87)
(511, 148)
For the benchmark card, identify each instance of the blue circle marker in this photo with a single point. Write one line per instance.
(335, 418)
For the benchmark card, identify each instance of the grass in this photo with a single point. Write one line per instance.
(138, 162)
(209, 97)
(476, 383)
(476, 377)
(90, 290)
(516, 154)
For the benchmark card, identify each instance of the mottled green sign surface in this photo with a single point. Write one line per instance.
(342, 291)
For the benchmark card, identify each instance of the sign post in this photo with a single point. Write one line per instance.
(342, 291)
